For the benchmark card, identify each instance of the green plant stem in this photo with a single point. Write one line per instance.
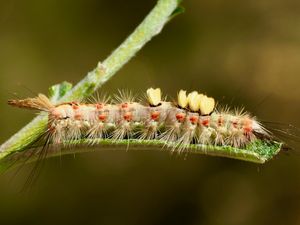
(257, 152)
(150, 27)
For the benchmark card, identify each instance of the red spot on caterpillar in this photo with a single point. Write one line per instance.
(235, 124)
(74, 105)
(205, 122)
(99, 106)
(155, 115)
(78, 116)
(124, 105)
(127, 116)
(247, 129)
(193, 119)
(247, 126)
(102, 117)
(55, 113)
(220, 121)
(180, 117)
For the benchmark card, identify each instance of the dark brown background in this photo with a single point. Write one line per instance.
(245, 53)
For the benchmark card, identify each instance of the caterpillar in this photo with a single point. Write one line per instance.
(192, 119)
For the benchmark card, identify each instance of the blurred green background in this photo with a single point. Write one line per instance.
(244, 53)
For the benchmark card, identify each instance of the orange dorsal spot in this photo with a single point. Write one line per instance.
(127, 116)
(124, 105)
(155, 115)
(78, 116)
(75, 106)
(235, 124)
(247, 129)
(205, 122)
(247, 126)
(55, 113)
(180, 117)
(99, 106)
(102, 117)
(220, 121)
(193, 119)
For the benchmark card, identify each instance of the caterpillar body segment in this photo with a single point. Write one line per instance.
(193, 119)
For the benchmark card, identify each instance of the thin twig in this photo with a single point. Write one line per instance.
(151, 26)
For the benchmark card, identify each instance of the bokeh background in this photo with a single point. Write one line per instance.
(244, 53)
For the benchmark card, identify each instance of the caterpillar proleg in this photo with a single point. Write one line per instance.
(193, 119)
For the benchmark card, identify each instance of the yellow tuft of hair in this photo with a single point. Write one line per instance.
(207, 104)
(154, 96)
(194, 101)
(182, 99)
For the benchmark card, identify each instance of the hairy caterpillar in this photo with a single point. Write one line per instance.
(192, 119)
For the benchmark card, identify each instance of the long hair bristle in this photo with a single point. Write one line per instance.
(41, 102)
